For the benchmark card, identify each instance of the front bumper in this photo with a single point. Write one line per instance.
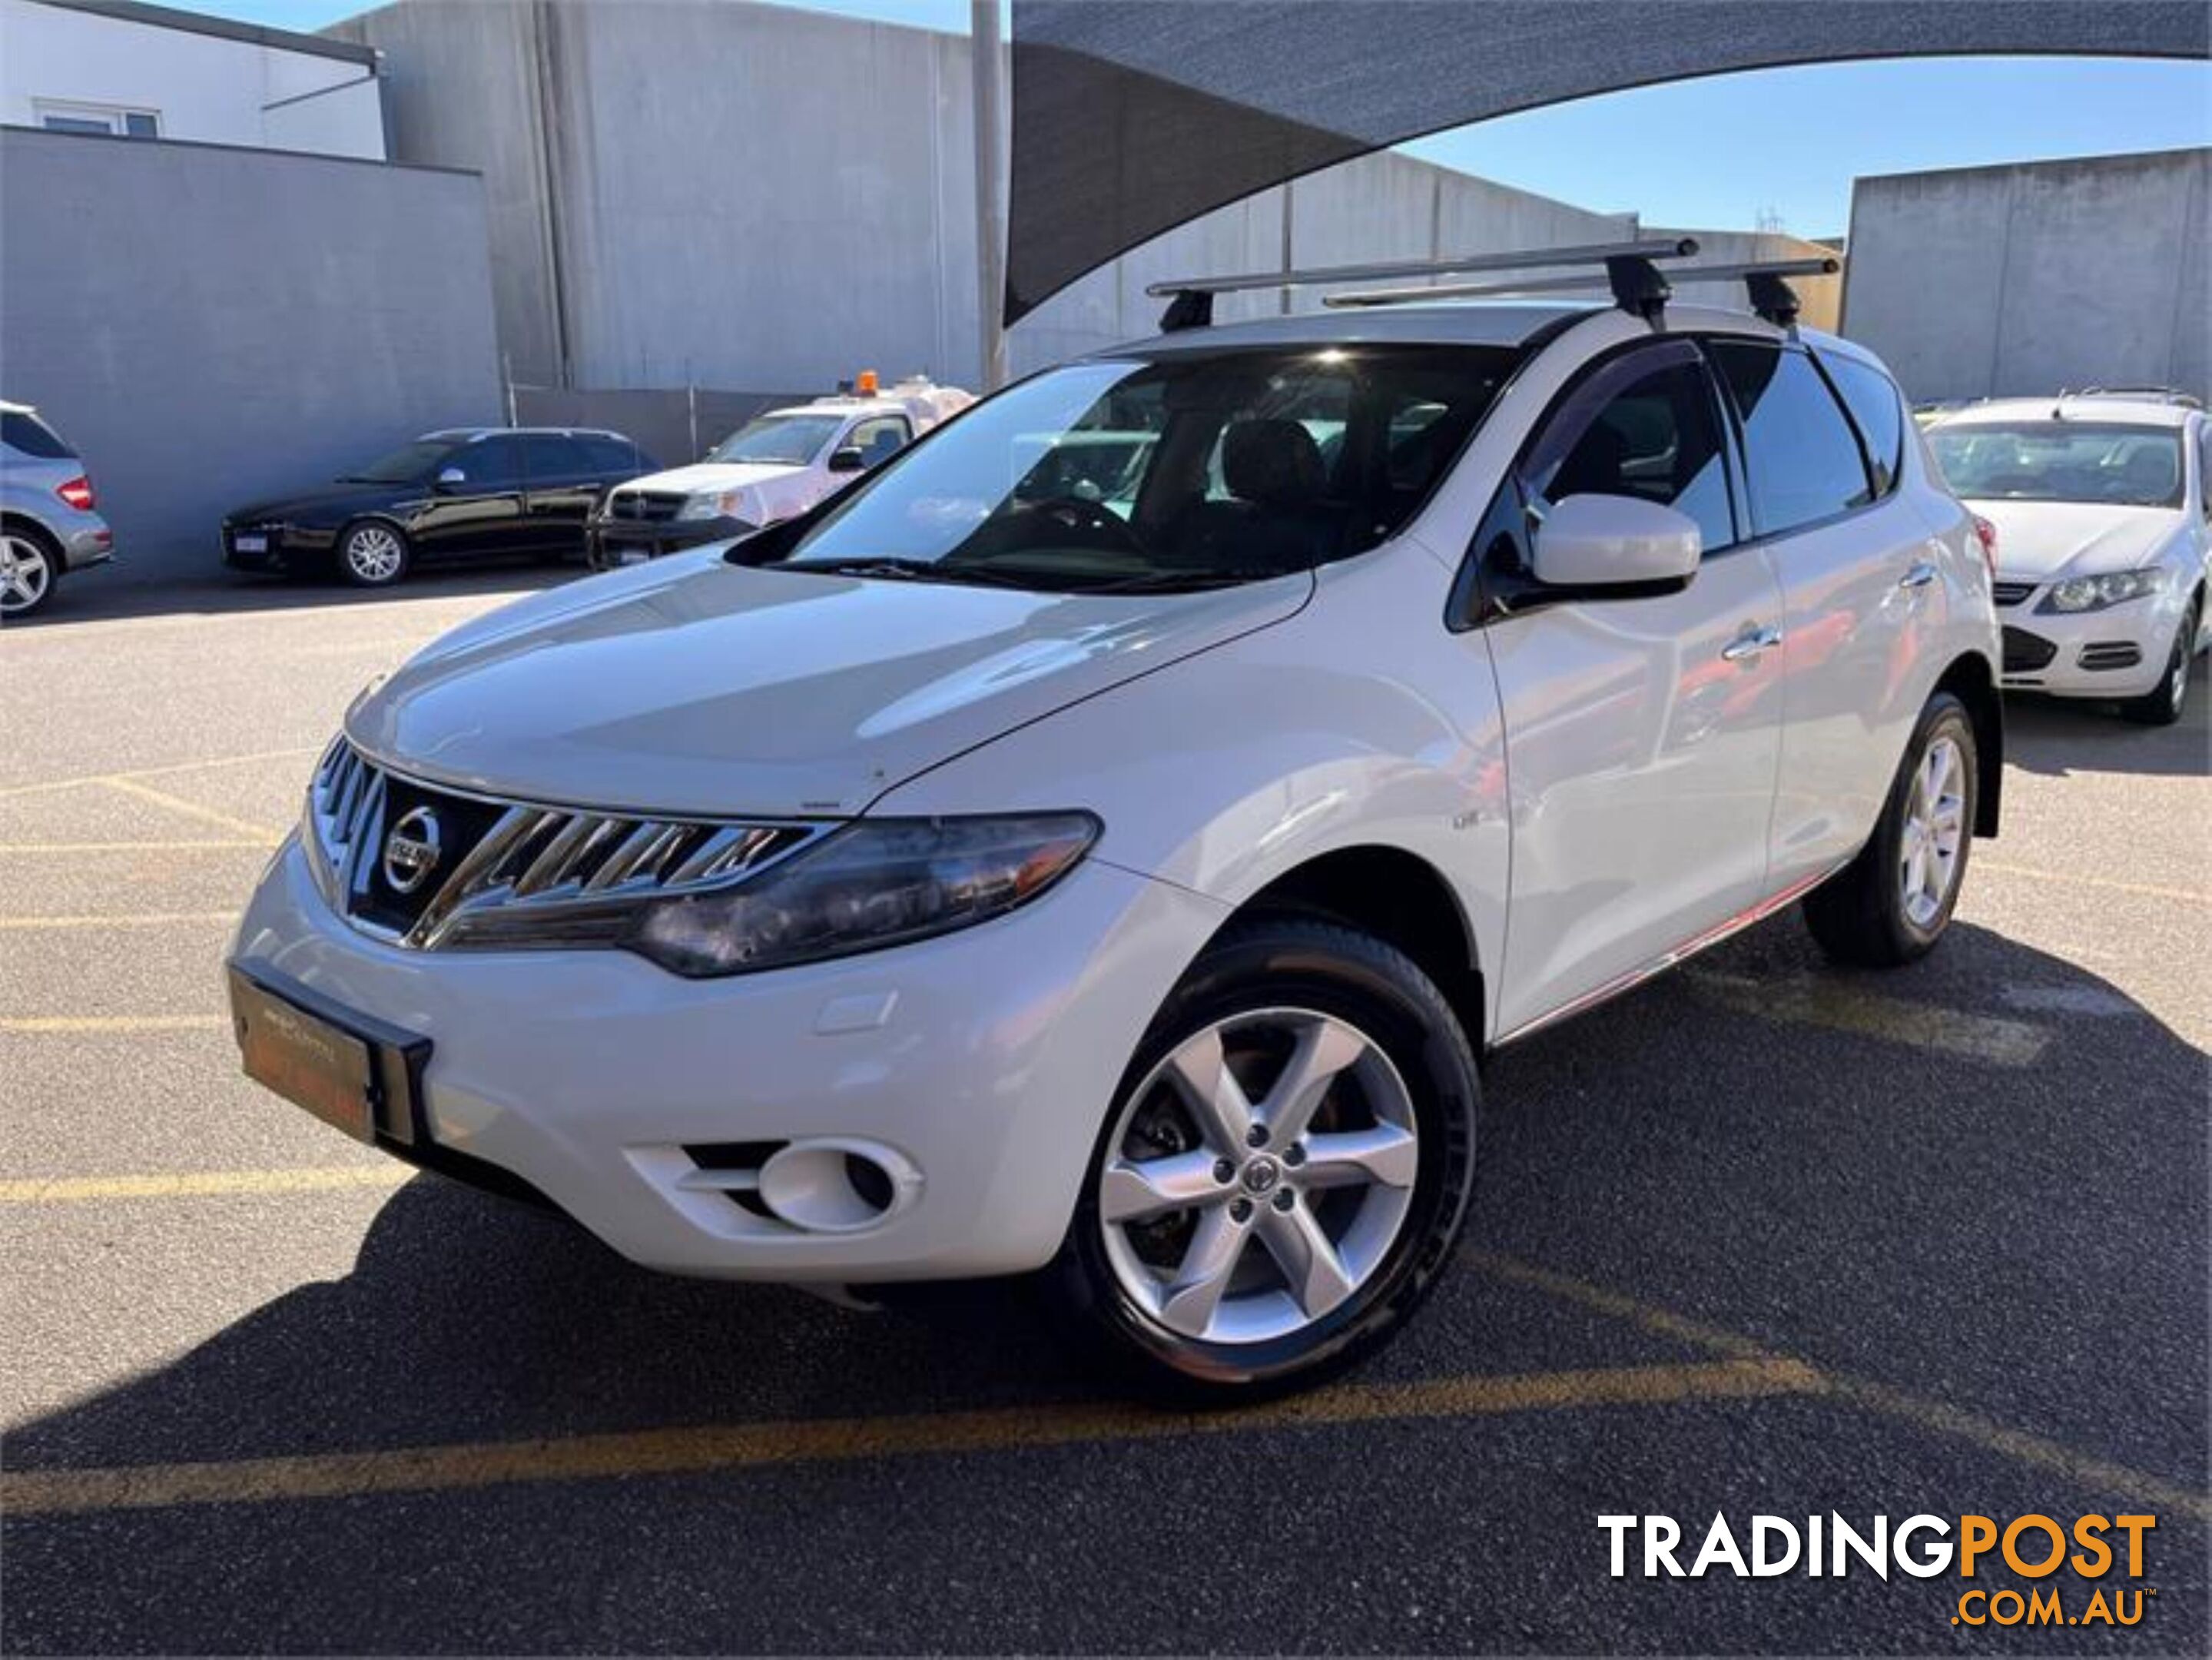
(611, 543)
(2120, 651)
(284, 548)
(985, 1059)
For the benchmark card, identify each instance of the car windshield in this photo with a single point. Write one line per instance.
(2062, 461)
(788, 440)
(1191, 470)
(410, 464)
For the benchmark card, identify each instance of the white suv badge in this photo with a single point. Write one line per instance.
(411, 850)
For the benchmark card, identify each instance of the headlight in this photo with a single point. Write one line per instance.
(712, 504)
(2096, 593)
(873, 884)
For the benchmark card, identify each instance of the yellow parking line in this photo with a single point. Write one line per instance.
(191, 809)
(729, 1446)
(38, 1023)
(143, 919)
(213, 844)
(1841, 1006)
(201, 1185)
(173, 768)
(1921, 1411)
(2148, 890)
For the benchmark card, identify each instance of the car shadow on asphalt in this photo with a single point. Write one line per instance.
(2033, 1236)
(2058, 737)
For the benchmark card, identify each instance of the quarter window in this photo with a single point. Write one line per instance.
(26, 433)
(1642, 429)
(1872, 400)
(1801, 453)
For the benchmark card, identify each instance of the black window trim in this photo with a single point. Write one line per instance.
(1851, 417)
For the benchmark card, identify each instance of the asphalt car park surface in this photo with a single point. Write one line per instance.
(1761, 1237)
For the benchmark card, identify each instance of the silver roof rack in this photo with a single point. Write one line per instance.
(1770, 296)
(1635, 281)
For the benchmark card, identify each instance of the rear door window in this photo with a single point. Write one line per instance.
(1801, 452)
(25, 433)
(616, 457)
(549, 457)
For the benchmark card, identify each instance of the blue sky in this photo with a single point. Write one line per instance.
(1721, 153)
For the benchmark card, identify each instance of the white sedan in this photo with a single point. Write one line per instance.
(2103, 509)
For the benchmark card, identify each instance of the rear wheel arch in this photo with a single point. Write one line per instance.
(1398, 897)
(1970, 680)
(21, 524)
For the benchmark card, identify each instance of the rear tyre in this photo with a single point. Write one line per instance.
(1284, 1172)
(1891, 904)
(29, 569)
(372, 554)
(2162, 705)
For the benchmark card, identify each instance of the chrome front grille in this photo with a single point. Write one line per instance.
(530, 864)
(655, 506)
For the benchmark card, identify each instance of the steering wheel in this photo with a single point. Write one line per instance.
(1076, 512)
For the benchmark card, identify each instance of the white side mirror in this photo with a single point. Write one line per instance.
(1604, 541)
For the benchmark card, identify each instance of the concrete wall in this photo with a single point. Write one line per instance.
(1994, 282)
(202, 88)
(210, 326)
(737, 195)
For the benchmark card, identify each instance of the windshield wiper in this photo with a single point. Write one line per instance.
(1197, 576)
(907, 570)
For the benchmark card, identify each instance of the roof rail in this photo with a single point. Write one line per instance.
(1630, 272)
(2141, 394)
(1771, 297)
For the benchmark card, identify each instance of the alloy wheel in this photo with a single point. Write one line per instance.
(1935, 827)
(26, 573)
(1258, 1176)
(374, 554)
(2185, 653)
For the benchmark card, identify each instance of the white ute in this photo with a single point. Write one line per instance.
(777, 465)
(2102, 504)
(982, 873)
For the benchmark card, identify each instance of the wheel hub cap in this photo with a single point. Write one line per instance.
(1934, 832)
(1258, 1176)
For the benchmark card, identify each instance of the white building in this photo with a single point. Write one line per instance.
(142, 71)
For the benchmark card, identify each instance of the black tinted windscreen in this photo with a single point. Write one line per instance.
(1208, 466)
(1802, 455)
(25, 433)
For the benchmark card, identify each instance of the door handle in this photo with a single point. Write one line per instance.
(1918, 577)
(1750, 644)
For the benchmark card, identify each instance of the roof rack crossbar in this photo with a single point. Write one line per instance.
(1191, 299)
(1587, 253)
(1760, 277)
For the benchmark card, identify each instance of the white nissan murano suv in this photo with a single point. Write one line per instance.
(967, 877)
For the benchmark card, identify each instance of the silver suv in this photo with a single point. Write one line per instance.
(47, 522)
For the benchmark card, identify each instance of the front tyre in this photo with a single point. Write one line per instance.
(1891, 904)
(2162, 705)
(372, 554)
(1283, 1171)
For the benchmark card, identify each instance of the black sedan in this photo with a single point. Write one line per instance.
(470, 493)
